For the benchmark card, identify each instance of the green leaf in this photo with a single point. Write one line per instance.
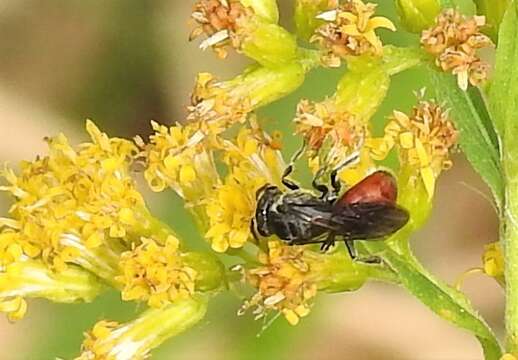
(445, 301)
(503, 92)
(477, 138)
(447, 4)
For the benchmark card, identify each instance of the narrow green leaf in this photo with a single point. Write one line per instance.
(480, 106)
(476, 136)
(446, 302)
(503, 93)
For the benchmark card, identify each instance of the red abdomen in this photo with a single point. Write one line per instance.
(379, 187)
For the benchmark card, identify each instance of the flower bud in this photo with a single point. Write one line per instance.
(417, 15)
(362, 89)
(268, 44)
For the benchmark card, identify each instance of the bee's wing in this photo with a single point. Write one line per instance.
(368, 220)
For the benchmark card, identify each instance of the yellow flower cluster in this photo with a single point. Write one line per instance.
(218, 20)
(454, 41)
(282, 283)
(424, 139)
(98, 344)
(350, 31)
(252, 161)
(230, 211)
(70, 200)
(215, 106)
(332, 134)
(155, 273)
(176, 156)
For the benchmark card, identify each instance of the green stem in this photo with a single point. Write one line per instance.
(510, 242)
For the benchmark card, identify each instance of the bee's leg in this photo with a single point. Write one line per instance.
(324, 191)
(349, 244)
(335, 182)
(289, 169)
(287, 182)
(330, 241)
(354, 255)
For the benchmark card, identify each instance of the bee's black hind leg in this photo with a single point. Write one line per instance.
(321, 188)
(349, 244)
(330, 241)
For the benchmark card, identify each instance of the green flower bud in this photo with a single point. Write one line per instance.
(264, 85)
(417, 15)
(494, 11)
(268, 44)
(362, 89)
(335, 272)
(210, 271)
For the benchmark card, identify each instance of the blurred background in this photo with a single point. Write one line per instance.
(123, 63)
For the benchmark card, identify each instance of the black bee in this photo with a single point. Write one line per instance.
(367, 211)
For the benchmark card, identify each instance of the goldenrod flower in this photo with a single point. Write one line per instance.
(156, 273)
(134, 340)
(332, 134)
(423, 138)
(218, 105)
(218, 20)
(350, 31)
(454, 41)
(252, 162)
(178, 157)
(281, 283)
(71, 204)
(249, 26)
(32, 278)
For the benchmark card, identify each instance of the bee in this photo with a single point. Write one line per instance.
(366, 211)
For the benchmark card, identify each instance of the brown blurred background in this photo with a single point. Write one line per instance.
(123, 63)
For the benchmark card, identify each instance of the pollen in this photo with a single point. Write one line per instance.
(454, 42)
(70, 199)
(350, 31)
(218, 20)
(282, 284)
(424, 138)
(155, 273)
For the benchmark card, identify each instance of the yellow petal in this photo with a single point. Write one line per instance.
(380, 22)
